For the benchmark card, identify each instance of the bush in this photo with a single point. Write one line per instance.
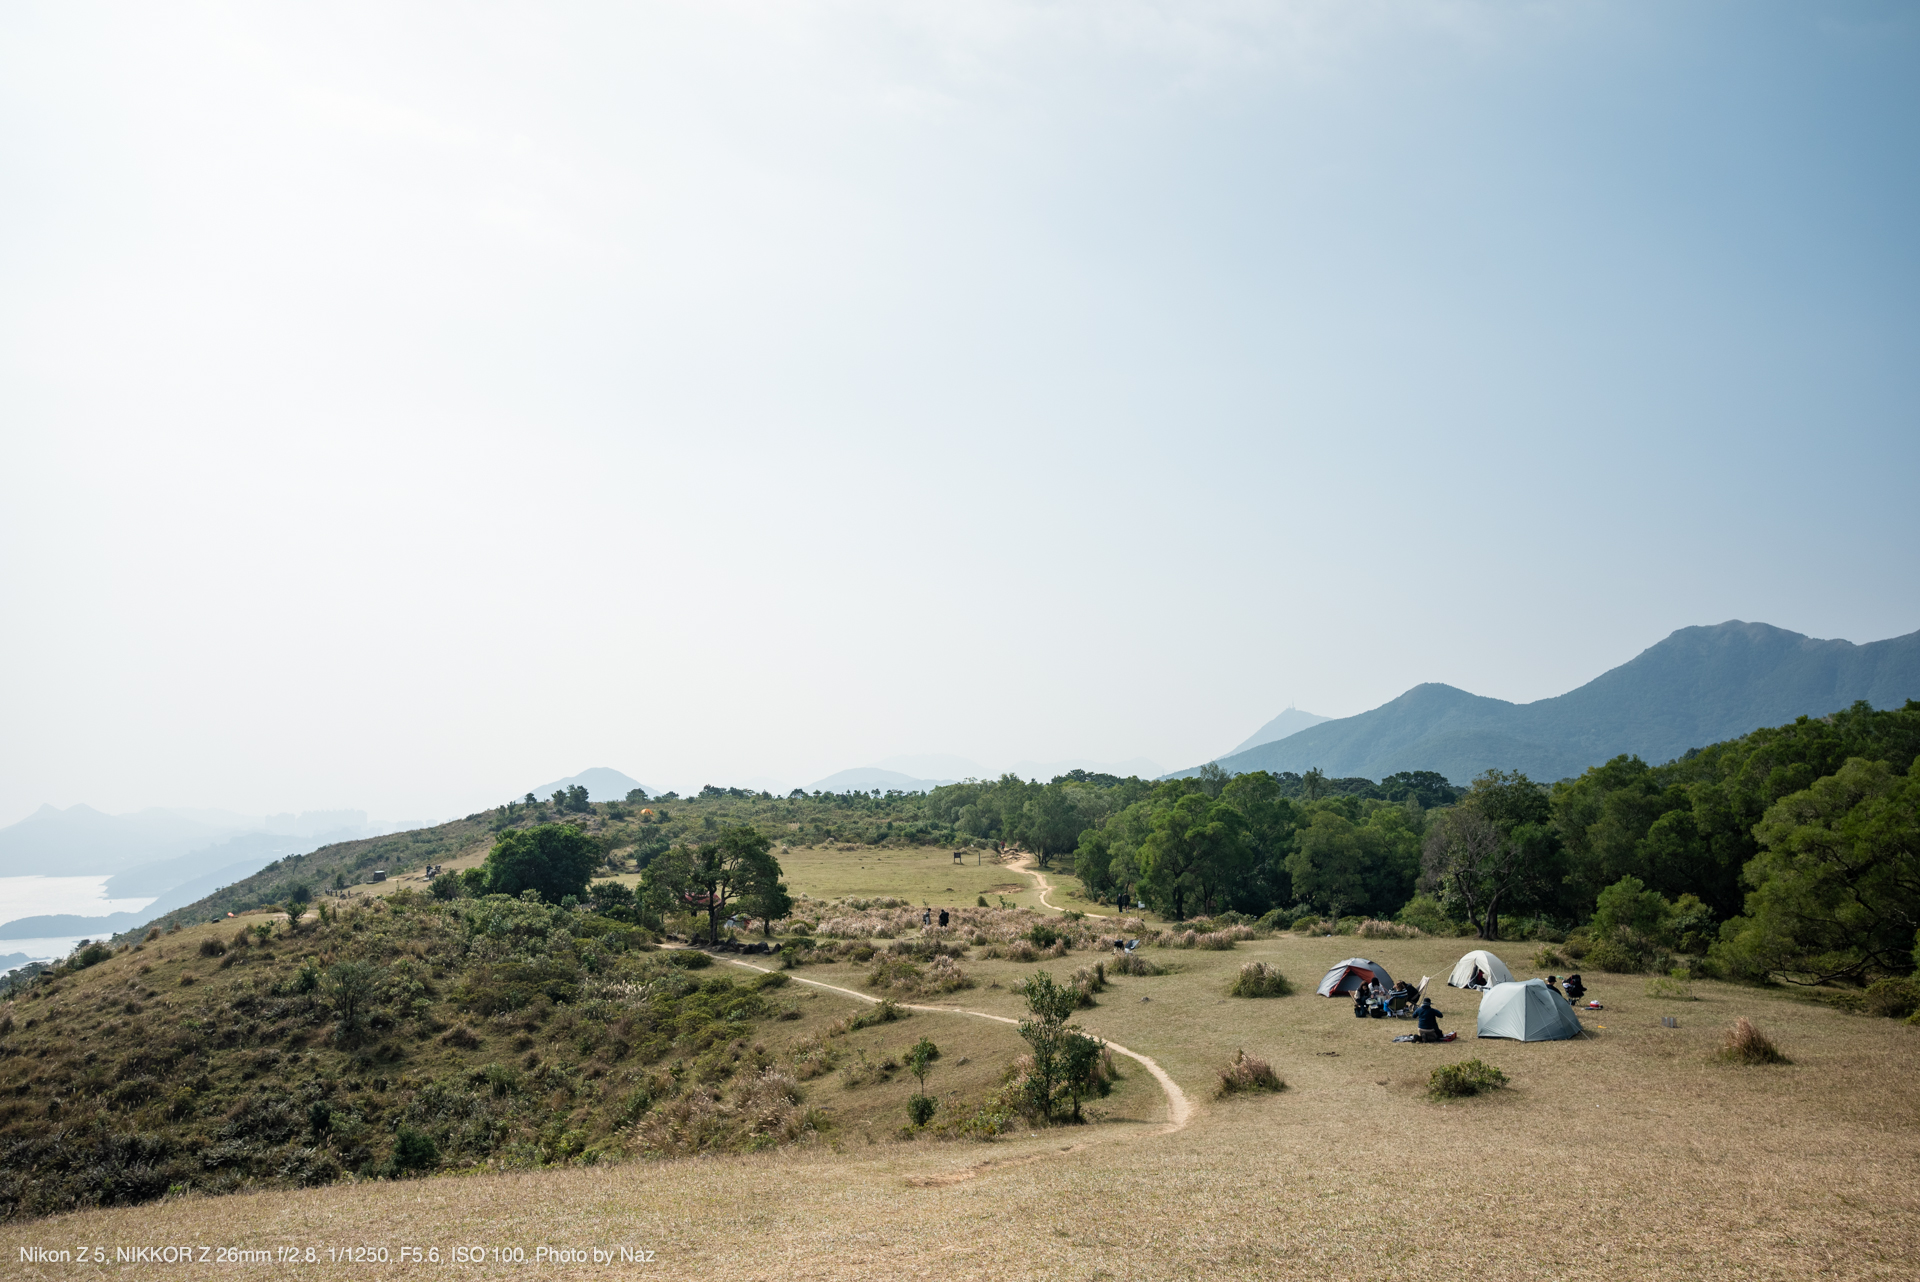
(1746, 1044)
(1136, 964)
(1893, 998)
(212, 948)
(1424, 912)
(1258, 979)
(1668, 988)
(1469, 1077)
(1043, 936)
(920, 1108)
(979, 901)
(414, 1150)
(1246, 1075)
(689, 958)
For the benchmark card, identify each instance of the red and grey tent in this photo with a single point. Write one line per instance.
(1351, 974)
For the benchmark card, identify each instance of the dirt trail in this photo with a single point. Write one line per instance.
(1179, 1107)
(1023, 862)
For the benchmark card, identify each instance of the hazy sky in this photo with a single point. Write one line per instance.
(404, 405)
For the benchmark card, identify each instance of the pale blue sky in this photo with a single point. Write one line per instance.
(406, 404)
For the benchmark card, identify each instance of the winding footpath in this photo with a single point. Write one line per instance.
(1024, 863)
(1179, 1107)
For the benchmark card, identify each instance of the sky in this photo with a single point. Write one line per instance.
(405, 404)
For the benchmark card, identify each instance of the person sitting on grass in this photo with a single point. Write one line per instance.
(1427, 1020)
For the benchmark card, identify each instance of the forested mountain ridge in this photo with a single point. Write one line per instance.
(1700, 685)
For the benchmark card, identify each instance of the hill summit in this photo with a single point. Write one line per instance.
(1700, 685)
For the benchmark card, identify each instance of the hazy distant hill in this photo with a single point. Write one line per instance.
(1290, 722)
(867, 778)
(603, 783)
(1699, 686)
(83, 842)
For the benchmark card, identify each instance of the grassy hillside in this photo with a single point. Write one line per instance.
(403, 1034)
(1632, 1152)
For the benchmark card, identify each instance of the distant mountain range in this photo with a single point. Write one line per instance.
(1699, 686)
(603, 783)
(1290, 722)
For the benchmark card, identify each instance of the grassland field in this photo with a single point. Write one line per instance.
(1630, 1153)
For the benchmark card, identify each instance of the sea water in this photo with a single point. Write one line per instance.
(44, 896)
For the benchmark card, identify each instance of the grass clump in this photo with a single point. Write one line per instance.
(1746, 1044)
(1669, 988)
(1258, 979)
(1247, 1075)
(1137, 964)
(1468, 1077)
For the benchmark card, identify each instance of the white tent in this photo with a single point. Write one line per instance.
(1351, 974)
(1492, 971)
(1528, 1012)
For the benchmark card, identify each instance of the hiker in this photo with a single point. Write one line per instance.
(1575, 990)
(1427, 1020)
(926, 918)
(943, 917)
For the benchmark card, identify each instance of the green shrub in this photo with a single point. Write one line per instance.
(1043, 936)
(1469, 1077)
(689, 958)
(1423, 912)
(1136, 964)
(212, 948)
(1671, 989)
(920, 1108)
(979, 901)
(414, 1150)
(1258, 979)
(1893, 998)
(1247, 1075)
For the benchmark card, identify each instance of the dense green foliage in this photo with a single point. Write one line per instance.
(552, 860)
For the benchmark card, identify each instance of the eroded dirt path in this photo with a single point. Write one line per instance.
(1179, 1107)
(1024, 863)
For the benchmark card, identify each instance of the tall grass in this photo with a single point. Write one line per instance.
(1746, 1044)
(1258, 979)
(1247, 1075)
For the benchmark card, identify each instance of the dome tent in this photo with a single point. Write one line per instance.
(1351, 974)
(1527, 1012)
(1492, 971)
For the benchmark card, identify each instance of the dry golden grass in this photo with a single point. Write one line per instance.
(1633, 1154)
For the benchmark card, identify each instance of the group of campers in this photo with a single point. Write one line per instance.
(1536, 1010)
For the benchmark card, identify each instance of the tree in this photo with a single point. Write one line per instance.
(349, 988)
(665, 884)
(1470, 866)
(1314, 783)
(613, 899)
(1049, 1007)
(765, 895)
(553, 859)
(636, 795)
(1193, 853)
(920, 1057)
(1836, 886)
(735, 866)
(299, 895)
(1343, 867)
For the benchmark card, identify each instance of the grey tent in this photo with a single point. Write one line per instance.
(1527, 1012)
(1351, 974)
